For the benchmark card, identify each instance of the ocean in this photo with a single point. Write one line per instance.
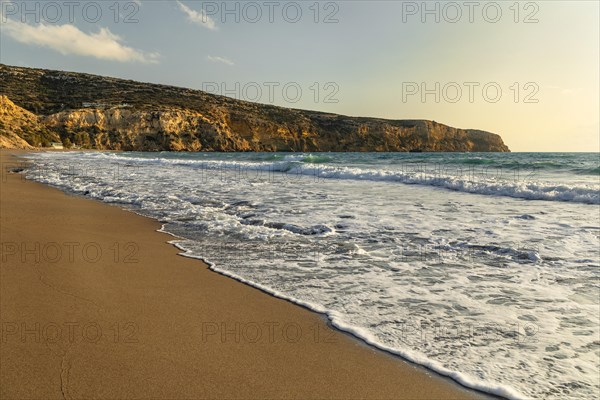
(481, 267)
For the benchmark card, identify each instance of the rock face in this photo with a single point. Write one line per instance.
(106, 113)
(19, 127)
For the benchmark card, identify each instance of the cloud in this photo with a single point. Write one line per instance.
(222, 60)
(68, 39)
(199, 18)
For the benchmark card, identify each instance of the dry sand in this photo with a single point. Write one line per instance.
(109, 310)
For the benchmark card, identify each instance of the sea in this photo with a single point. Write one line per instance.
(483, 267)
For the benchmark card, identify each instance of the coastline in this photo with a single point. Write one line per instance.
(108, 310)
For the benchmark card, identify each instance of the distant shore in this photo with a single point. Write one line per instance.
(96, 304)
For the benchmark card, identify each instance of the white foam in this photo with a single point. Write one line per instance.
(292, 165)
(338, 322)
(392, 257)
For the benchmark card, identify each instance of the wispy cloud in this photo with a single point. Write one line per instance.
(221, 60)
(198, 17)
(68, 39)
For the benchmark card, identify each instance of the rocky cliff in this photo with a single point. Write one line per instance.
(107, 113)
(21, 129)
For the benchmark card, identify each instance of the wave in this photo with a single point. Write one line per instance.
(337, 320)
(160, 195)
(516, 164)
(587, 171)
(463, 181)
(306, 158)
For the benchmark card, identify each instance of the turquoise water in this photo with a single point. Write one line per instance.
(483, 267)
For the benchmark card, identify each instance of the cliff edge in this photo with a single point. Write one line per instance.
(98, 112)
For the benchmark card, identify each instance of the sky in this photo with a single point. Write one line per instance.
(528, 71)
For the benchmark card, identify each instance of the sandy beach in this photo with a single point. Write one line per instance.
(95, 303)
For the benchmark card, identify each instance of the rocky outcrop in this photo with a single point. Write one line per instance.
(9, 140)
(21, 129)
(107, 113)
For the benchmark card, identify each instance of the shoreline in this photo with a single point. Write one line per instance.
(201, 323)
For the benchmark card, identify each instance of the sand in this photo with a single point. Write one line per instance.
(94, 303)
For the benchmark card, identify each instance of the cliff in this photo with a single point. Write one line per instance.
(21, 129)
(107, 113)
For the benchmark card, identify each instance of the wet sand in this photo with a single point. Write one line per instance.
(94, 303)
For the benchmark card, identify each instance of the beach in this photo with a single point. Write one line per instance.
(95, 303)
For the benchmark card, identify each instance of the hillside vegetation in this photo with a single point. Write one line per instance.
(98, 112)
